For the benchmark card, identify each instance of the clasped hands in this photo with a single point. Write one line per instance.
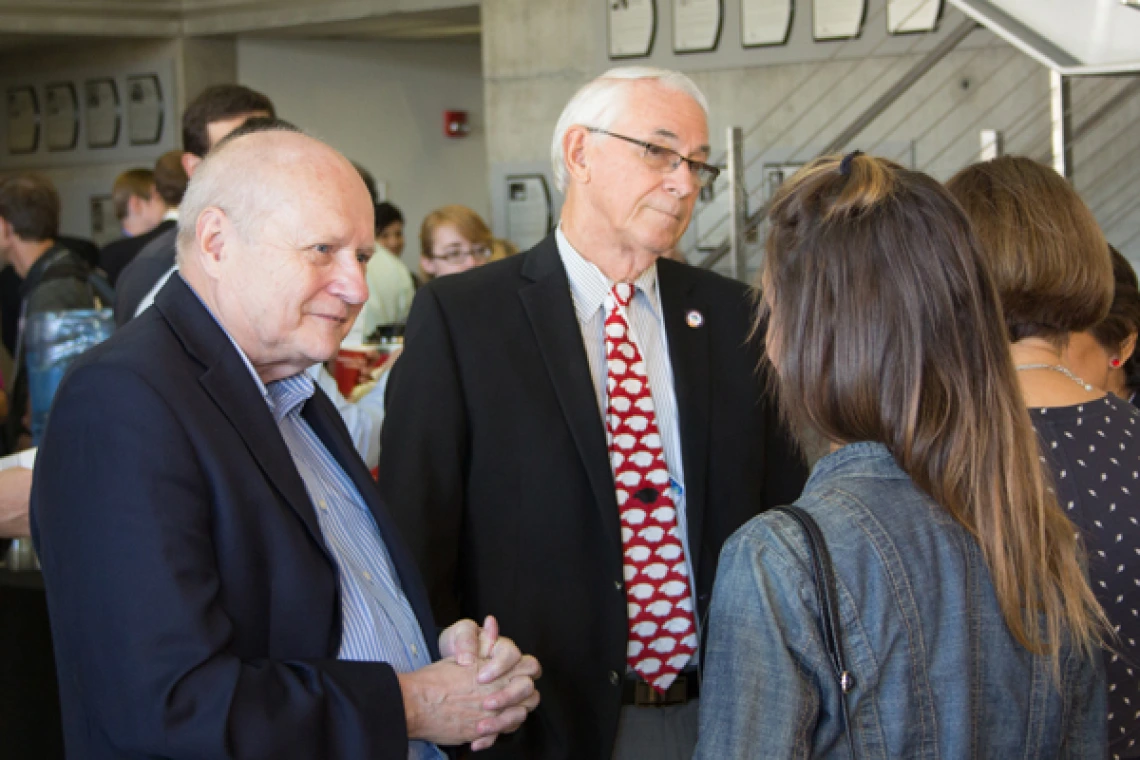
(483, 687)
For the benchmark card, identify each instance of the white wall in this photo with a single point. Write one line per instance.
(382, 105)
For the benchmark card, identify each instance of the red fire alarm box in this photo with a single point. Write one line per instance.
(455, 124)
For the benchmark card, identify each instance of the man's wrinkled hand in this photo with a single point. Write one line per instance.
(499, 661)
(444, 703)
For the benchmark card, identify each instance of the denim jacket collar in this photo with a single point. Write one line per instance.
(866, 459)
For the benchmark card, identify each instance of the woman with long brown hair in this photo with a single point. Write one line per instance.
(1054, 275)
(963, 624)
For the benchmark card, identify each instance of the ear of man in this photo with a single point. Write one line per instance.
(213, 231)
(574, 144)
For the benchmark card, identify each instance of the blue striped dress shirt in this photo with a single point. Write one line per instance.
(378, 624)
(588, 288)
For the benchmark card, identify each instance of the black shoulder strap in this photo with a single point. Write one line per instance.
(827, 596)
(75, 268)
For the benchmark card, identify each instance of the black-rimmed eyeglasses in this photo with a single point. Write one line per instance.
(455, 254)
(666, 160)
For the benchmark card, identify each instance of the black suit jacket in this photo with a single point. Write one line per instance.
(10, 288)
(143, 273)
(117, 254)
(194, 607)
(494, 464)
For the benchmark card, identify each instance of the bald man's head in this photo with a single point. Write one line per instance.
(274, 234)
(252, 174)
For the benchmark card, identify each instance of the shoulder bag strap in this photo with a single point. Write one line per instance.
(823, 576)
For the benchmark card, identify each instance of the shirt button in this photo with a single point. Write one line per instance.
(323, 504)
(415, 650)
(617, 585)
(368, 577)
(614, 677)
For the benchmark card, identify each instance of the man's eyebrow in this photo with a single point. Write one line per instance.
(672, 136)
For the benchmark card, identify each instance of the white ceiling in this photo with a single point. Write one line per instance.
(451, 24)
(1075, 36)
(30, 23)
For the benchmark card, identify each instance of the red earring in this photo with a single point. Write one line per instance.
(1115, 363)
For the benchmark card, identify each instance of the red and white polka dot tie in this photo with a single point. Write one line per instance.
(662, 632)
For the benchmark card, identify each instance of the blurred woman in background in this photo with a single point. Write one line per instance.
(453, 239)
(1105, 355)
(389, 228)
(965, 622)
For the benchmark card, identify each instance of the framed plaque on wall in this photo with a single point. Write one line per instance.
(696, 25)
(632, 27)
(102, 112)
(765, 22)
(530, 215)
(61, 117)
(837, 19)
(23, 120)
(905, 16)
(145, 111)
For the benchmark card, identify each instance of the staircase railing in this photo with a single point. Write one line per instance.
(1083, 125)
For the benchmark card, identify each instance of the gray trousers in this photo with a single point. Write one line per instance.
(657, 733)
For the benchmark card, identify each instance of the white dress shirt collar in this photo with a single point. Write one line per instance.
(588, 286)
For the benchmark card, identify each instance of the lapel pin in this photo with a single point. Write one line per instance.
(694, 318)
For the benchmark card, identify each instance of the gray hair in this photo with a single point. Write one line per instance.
(601, 101)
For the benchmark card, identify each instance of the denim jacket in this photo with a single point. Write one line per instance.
(937, 673)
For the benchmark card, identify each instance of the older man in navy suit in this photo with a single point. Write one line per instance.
(222, 577)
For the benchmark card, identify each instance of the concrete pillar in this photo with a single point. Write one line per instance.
(535, 56)
(200, 63)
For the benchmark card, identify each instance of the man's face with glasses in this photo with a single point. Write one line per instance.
(645, 170)
(452, 253)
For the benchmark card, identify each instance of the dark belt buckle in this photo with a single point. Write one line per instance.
(645, 695)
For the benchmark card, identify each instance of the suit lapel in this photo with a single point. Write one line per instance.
(324, 419)
(689, 356)
(550, 309)
(228, 382)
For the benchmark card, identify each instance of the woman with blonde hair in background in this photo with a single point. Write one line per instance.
(453, 239)
(1053, 272)
(957, 621)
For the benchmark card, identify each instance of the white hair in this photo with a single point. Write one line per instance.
(601, 101)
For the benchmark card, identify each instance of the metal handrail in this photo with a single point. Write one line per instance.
(963, 30)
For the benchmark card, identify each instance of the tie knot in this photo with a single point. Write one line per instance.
(623, 293)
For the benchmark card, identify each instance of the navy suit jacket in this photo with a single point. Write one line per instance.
(194, 607)
(118, 254)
